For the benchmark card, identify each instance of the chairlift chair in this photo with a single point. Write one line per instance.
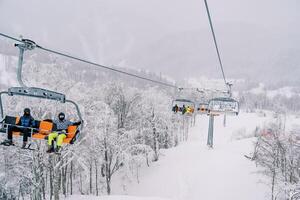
(44, 127)
(202, 108)
(223, 105)
(183, 102)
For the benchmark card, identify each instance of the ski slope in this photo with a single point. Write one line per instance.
(117, 197)
(191, 171)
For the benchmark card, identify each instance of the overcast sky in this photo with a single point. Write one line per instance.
(168, 36)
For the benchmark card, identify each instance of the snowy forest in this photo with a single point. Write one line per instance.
(277, 151)
(125, 128)
(149, 100)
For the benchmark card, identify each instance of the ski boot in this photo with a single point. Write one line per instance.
(24, 145)
(7, 143)
(57, 149)
(50, 149)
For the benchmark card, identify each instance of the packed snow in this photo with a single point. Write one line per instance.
(193, 171)
(81, 197)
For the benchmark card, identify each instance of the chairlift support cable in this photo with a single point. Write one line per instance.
(92, 63)
(216, 44)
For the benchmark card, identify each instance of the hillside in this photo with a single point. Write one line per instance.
(193, 171)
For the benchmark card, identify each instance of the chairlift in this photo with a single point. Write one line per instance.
(202, 108)
(44, 127)
(223, 105)
(184, 106)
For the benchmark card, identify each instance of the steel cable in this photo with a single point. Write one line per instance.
(92, 63)
(216, 44)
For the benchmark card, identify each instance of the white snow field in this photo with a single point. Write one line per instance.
(192, 171)
(79, 197)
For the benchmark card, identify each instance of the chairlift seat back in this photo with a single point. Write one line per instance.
(15, 133)
(45, 128)
(223, 105)
(9, 120)
(72, 132)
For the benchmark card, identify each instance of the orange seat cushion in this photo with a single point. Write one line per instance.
(16, 133)
(67, 140)
(71, 134)
(17, 120)
(38, 136)
(45, 128)
(71, 131)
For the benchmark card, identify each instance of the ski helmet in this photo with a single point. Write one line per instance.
(61, 116)
(26, 111)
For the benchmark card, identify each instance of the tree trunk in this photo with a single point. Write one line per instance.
(147, 160)
(80, 185)
(273, 183)
(107, 169)
(108, 189)
(155, 145)
(71, 179)
(96, 181)
(51, 182)
(91, 177)
(155, 138)
(56, 176)
(44, 185)
(107, 164)
(64, 180)
(56, 183)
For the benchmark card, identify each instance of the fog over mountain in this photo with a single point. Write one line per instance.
(259, 39)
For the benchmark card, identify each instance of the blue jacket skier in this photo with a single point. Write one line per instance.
(25, 125)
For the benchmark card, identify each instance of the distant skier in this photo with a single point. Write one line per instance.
(175, 108)
(183, 109)
(24, 126)
(61, 133)
(188, 110)
(192, 109)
